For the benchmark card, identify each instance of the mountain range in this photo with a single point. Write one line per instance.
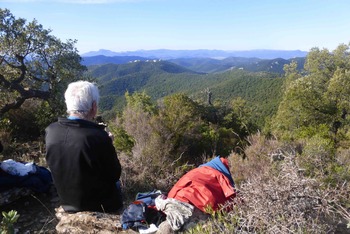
(204, 65)
(218, 54)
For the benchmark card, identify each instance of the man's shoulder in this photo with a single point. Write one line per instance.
(51, 125)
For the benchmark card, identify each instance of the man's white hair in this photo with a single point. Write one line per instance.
(80, 96)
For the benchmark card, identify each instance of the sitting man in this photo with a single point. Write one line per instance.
(81, 155)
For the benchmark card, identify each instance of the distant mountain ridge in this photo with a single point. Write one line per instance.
(208, 65)
(218, 54)
(103, 59)
(205, 65)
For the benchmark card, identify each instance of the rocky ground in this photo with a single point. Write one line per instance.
(37, 212)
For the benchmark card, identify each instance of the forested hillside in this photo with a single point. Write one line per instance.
(115, 80)
(161, 78)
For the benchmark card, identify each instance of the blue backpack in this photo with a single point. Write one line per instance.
(142, 212)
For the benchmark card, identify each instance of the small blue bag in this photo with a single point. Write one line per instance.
(142, 212)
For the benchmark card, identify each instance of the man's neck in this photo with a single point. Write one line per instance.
(72, 117)
(88, 116)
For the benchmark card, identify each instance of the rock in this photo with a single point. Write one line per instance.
(88, 222)
(13, 194)
(165, 228)
(196, 218)
(104, 223)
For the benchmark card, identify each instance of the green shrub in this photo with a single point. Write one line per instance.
(8, 221)
(122, 141)
(318, 153)
(306, 132)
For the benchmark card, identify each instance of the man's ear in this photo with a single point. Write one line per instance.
(94, 108)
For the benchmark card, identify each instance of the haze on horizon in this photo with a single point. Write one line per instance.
(235, 25)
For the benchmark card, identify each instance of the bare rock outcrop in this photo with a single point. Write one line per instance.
(88, 222)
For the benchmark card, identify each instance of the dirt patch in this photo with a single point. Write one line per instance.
(37, 212)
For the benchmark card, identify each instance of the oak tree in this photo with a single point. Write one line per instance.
(33, 63)
(317, 98)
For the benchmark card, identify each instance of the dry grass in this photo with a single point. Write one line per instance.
(275, 196)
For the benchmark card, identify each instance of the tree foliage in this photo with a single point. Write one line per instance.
(318, 97)
(33, 63)
(179, 129)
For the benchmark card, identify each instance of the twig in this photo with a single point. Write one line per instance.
(43, 205)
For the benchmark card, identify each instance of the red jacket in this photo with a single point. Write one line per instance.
(203, 187)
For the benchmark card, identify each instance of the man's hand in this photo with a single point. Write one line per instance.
(111, 135)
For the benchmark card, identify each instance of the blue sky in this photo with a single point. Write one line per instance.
(128, 25)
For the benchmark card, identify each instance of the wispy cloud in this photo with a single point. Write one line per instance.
(71, 1)
(95, 1)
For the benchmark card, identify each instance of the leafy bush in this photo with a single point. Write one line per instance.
(255, 159)
(30, 121)
(122, 141)
(317, 155)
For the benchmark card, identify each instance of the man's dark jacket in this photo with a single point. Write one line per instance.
(84, 165)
